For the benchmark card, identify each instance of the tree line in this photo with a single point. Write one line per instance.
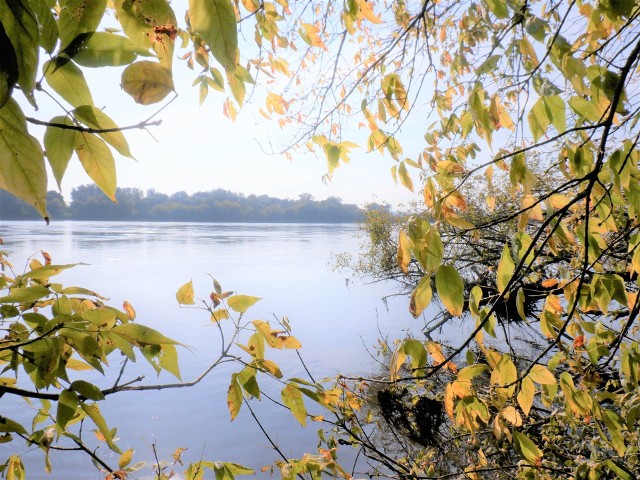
(219, 205)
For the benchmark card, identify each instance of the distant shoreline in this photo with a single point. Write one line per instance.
(88, 203)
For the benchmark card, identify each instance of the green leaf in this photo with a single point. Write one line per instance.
(537, 28)
(58, 146)
(125, 458)
(488, 65)
(100, 49)
(47, 24)
(421, 296)
(8, 425)
(247, 379)
(215, 22)
(185, 294)
(585, 108)
(332, 151)
(87, 390)
(95, 118)
(538, 119)
(506, 267)
(292, 398)
(528, 449)
(94, 413)
(435, 250)
(22, 169)
(21, 28)
(237, 469)
(556, 112)
(26, 295)
(48, 271)
(67, 406)
(97, 160)
(417, 351)
(234, 396)
(498, 8)
(68, 81)
(140, 335)
(147, 82)
(241, 303)
(450, 288)
(472, 371)
(77, 17)
(169, 360)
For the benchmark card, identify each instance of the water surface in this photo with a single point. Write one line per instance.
(288, 265)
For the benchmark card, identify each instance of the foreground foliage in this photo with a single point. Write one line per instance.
(519, 91)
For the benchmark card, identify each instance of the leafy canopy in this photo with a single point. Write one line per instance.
(507, 89)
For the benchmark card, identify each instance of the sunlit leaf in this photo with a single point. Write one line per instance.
(97, 160)
(93, 411)
(185, 294)
(95, 118)
(140, 335)
(292, 398)
(68, 81)
(77, 17)
(404, 252)
(526, 395)
(421, 296)
(26, 294)
(125, 458)
(58, 145)
(241, 303)
(506, 267)
(101, 49)
(234, 397)
(541, 375)
(528, 449)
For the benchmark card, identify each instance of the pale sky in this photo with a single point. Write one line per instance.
(198, 149)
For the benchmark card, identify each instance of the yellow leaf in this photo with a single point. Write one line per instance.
(234, 397)
(366, 9)
(435, 350)
(541, 375)
(185, 294)
(97, 160)
(404, 252)
(147, 82)
(506, 268)
(448, 400)
(526, 395)
(511, 415)
(77, 365)
(450, 289)
(421, 296)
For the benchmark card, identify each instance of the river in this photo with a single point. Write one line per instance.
(338, 321)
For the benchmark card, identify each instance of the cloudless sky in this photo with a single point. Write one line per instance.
(196, 148)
